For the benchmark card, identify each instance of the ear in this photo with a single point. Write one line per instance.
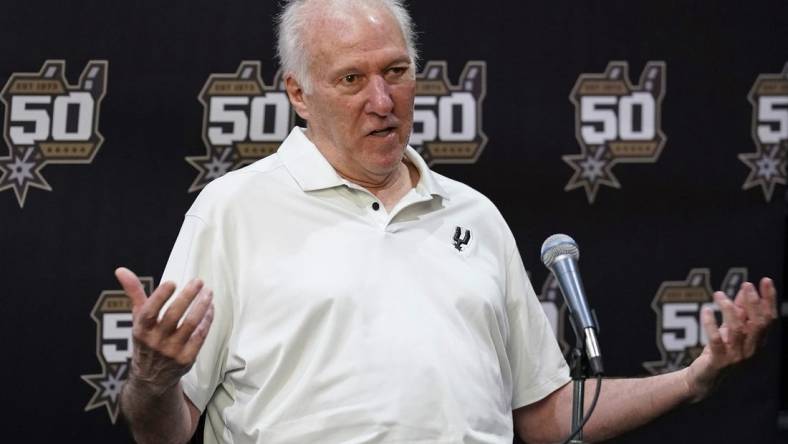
(296, 95)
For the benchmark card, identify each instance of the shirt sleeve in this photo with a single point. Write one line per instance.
(537, 365)
(198, 253)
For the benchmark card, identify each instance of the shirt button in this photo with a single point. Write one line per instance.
(375, 206)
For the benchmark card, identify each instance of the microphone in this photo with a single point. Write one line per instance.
(560, 255)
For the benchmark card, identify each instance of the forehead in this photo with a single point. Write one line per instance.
(364, 34)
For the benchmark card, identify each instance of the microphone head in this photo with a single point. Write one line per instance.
(558, 245)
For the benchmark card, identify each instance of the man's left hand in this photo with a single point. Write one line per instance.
(744, 323)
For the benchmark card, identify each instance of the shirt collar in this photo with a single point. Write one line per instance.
(313, 172)
(427, 180)
(306, 164)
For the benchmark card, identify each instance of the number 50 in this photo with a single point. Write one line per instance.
(773, 112)
(57, 126)
(608, 118)
(684, 318)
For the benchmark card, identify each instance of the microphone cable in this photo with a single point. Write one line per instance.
(590, 410)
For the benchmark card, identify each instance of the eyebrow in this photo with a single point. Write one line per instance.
(350, 67)
(403, 59)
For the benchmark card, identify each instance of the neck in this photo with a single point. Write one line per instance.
(391, 188)
(372, 182)
(388, 187)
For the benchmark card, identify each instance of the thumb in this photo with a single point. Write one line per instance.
(131, 285)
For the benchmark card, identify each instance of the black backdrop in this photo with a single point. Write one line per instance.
(685, 211)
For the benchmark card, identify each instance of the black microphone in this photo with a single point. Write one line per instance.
(560, 255)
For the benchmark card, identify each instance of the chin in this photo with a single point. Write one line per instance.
(382, 163)
(386, 165)
(380, 152)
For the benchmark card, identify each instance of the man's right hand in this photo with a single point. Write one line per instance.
(165, 349)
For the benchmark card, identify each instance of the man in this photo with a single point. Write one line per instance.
(341, 311)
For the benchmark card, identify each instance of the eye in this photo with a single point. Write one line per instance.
(398, 70)
(397, 73)
(350, 79)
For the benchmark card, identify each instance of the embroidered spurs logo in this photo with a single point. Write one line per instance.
(112, 314)
(769, 99)
(680, 333)
(461, 238)
(49, 121)
(615, 122)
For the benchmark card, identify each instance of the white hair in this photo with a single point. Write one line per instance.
(292, 24)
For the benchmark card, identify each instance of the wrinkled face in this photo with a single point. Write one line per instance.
(360, 109)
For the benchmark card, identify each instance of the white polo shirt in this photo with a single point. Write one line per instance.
(340, 323)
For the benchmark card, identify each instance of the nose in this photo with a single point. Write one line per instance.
(379, 99)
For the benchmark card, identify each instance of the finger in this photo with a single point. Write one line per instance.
(729, 317)
(131, 286)
(766, 312)
(732, 317)
(709, 322)
(195, 315)
(149, 312)
(755, 318)
(768, 298)
(747, 299)
(180, 304)
(196, 340)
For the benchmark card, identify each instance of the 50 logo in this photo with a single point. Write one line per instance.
(49, 121)
(769, 99)
(447, 119)
(114, 346)
(615, 122)
(245, 120)
(680, 333)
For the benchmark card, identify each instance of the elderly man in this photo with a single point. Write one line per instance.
(340, 308)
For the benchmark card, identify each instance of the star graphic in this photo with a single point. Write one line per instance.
(112, 386)
(218, 166)
(593, 168)
(107, 385)
(217, 162)
(767, 167)
(22, 170)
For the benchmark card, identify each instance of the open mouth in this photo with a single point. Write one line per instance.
(383, 132)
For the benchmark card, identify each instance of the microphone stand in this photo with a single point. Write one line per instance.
(578, 371)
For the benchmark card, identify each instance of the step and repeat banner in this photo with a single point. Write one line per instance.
(656, 135)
